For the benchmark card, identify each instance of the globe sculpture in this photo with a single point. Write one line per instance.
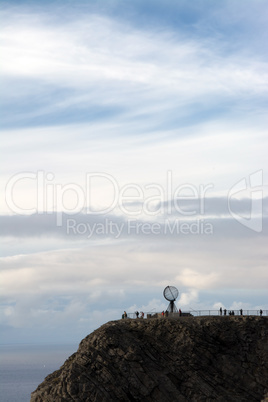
(171, 293)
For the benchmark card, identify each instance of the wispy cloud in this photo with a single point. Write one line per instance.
(97, 62)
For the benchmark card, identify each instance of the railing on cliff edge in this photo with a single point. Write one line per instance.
(198, 313)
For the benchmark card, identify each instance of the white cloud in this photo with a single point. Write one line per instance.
(113, 268)
(109, 63)
(188, 298)
(199, 280)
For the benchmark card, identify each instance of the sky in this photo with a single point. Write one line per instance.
(134, 142)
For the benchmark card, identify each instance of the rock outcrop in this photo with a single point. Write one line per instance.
(189, 359)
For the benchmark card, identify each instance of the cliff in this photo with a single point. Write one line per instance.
(190, 359)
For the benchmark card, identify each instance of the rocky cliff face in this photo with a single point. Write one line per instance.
(190, 359)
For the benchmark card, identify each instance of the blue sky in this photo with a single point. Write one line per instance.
(134, 139)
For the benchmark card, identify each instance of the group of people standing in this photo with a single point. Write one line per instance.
(141, 314)
(231, 312)
(138, 315)
(166, 313)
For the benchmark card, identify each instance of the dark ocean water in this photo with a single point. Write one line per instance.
(23, 367)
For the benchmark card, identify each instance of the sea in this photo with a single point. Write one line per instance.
(24, 367)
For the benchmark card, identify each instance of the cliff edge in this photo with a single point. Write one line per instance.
(189, 359)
